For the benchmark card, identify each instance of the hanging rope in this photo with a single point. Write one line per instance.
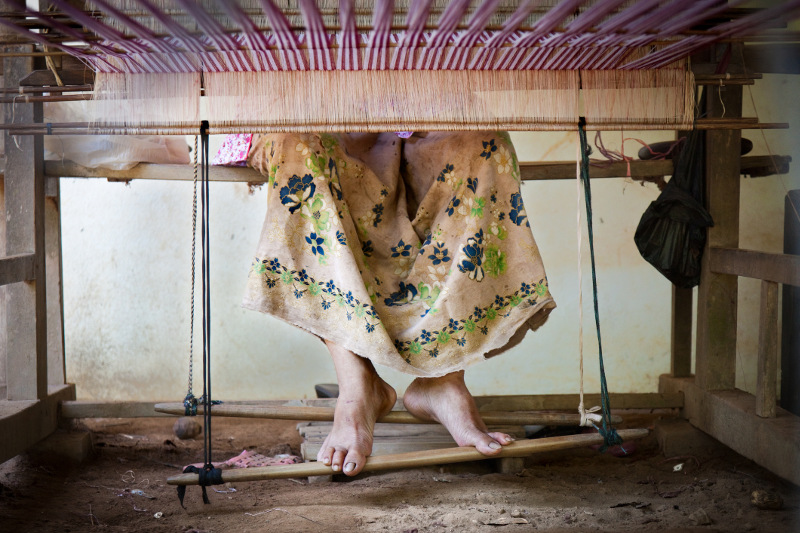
(208, 474)
(190, 402)
(610, 436)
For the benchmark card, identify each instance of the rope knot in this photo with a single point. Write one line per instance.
(207, 475)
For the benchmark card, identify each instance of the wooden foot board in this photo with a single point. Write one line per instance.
(413, 459)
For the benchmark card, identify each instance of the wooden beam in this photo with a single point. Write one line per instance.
(780, 268)
(87, 409)
(285, 412)
(773, 58)
(520, 448)
(730, 417)
(17, 268)
(84, 409)
(39, 78)
(23, 423)
(555, 170)
(24, 201)
(767, 376)
(718, 293)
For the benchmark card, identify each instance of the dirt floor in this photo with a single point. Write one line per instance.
(122, 488)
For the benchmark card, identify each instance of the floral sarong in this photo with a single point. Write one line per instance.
(415, 253)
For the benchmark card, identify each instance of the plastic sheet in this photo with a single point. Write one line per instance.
(113, 152)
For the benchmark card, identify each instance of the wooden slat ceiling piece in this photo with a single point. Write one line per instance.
(134, 35)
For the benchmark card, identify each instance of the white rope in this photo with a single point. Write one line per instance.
(587, 417)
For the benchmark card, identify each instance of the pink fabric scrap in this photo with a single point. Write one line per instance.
(234, 150)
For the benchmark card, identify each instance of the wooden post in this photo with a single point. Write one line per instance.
(766, 386)
(26, 314)
(717, 293)
(56, 365)
(790, 313)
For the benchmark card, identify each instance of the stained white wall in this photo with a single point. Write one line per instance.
(127, 283)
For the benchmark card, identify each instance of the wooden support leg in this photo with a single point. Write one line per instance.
(766, 393)
(718, 293)
(56, 370)
(24, 196)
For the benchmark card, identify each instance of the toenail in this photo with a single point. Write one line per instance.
(335, 468)
(495, 445)
(349, 467)
(327, 461)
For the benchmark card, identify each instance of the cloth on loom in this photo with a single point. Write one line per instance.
(233, 151)
(416, 254)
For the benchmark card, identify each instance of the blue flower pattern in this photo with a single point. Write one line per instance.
(297, 191)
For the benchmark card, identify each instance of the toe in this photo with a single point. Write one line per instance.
(354, 463)
(325, 455)
(502, 438)
(337, 462)
(486, 444)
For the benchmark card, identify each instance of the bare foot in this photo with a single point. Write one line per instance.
(446, 400)
(363, 398)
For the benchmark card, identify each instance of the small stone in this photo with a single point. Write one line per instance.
(502, 511)
(516, 513)
(766, 500)
(186, 428)
(700, 517)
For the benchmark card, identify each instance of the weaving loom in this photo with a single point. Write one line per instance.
(160, 67)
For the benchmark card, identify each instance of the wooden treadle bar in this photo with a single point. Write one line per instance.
(520, 448)
(325, 414)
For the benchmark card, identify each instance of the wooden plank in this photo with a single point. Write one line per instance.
(627, 400)
(16, 268)
(681, 332)
(39, 78)
(555, 170)
(520, 448)
(544, 402)
(84, 409)
(774, 58)
(23, 423)
(87, 409)
(767, 377)
(729, 416)
(779, 268)
(24, 197)
(394, 417)
(718, 293)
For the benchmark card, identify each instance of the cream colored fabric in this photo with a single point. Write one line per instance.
(415, 253)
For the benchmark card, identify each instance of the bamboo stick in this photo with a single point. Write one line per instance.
(45, 89)
(520, 448)
(325, 414)
(27, 99)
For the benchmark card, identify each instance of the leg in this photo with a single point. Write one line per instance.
(363, 398)
(447, 401)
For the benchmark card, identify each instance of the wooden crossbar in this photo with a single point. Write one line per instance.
(17, 268)
(780, 268)
(521, 448)
(319, 414)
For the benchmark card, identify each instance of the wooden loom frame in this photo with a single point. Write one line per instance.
(37, 396)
